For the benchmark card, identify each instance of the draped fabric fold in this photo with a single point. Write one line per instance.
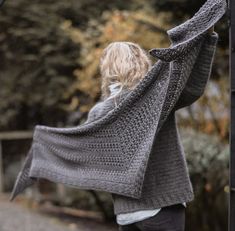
(111, 153)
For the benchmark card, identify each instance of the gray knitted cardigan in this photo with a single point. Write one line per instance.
(166, 179)
(110, 153)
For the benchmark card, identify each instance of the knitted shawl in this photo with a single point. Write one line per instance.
(111, 153)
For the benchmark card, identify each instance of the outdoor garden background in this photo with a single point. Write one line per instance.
(49, 56)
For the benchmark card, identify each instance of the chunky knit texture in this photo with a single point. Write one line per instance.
(111, 153)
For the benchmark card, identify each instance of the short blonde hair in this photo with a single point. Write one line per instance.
(123, 62)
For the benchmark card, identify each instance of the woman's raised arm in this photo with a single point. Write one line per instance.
(201, 72)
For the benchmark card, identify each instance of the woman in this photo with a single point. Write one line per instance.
(122, 65)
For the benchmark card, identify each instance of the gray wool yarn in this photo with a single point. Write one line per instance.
(110, 153)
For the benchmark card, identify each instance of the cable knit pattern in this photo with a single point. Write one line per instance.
(110, 153)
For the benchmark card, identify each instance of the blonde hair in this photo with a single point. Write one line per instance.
(123, 62)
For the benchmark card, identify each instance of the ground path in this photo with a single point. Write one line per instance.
(15, 216)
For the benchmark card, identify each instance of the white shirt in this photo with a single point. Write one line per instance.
(129, 218)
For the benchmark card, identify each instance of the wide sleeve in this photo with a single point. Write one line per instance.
(200, 74)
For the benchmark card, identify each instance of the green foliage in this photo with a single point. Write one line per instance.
(208, 161)
(37, 61)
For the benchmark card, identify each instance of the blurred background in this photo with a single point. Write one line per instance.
(49, 52)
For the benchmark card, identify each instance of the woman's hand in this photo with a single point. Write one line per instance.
(210, 30)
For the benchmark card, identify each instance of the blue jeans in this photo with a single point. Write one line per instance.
(170, 218)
